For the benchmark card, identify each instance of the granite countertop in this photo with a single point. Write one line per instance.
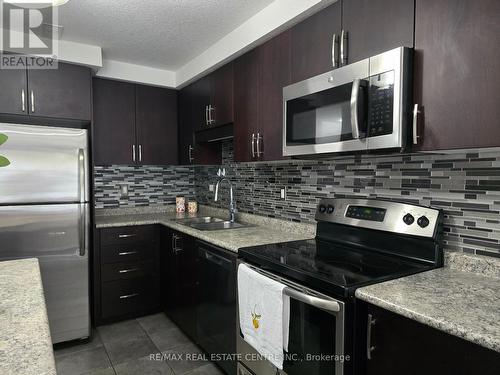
(464, 304)
(25, 343)
(261, 231)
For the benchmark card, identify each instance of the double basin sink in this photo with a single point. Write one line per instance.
(209, 223)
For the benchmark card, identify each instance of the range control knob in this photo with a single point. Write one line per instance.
(423, 221)
(408, 219)
(329, 209)
(322, 208)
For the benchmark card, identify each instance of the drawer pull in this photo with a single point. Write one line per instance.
(127, 253)
(129, 270)
(129, 295)
(125, 235)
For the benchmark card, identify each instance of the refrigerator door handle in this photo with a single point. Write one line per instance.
(83, 225)
(81, 176)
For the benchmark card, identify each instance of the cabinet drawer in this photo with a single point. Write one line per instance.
(132, 296)
(128, 235)
(124, 271)
(128, 253)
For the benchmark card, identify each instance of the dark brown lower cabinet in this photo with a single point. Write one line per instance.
(180, 281)
(398, 345)
(126, 273)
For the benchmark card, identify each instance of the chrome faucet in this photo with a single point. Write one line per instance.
(232, 204)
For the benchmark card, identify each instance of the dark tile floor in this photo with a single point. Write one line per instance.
(124, 349)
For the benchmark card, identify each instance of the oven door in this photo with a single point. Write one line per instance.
(316, 335)
(327, 113)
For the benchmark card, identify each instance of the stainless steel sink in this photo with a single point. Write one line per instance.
(209, 223)
(191, 220)
(217, 225)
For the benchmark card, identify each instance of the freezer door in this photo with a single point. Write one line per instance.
(58, 236)
(47, 165)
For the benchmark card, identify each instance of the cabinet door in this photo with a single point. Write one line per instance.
(200, 91)
(312, 41)
(114, 122)
(404, 346)
(246, 104)
(222, 95)
(457, 73)
(376, 26)
(13, 95)
(63, 93)
(182, 266)
(156, 124)
(186, 127)
(274, 59)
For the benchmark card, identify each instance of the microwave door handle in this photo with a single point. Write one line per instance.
(354, 109)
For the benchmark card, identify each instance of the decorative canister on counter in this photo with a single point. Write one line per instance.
(180, 204)
(192, 207)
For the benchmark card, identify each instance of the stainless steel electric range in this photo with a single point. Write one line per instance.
(358, 242)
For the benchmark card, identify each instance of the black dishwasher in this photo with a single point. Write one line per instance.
(216, 309)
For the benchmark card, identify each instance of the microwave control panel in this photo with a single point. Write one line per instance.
(381, 104)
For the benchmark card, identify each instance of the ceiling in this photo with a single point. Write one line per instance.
(163, 34)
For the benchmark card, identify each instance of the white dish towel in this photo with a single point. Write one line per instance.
(264, 314)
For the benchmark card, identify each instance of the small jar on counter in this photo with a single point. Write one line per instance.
(180, 204)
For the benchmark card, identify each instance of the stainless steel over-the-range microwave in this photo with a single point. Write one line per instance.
(358, 107)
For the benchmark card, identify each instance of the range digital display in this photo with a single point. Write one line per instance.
(366, 213)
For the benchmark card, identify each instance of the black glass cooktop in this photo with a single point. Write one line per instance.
(331, 267)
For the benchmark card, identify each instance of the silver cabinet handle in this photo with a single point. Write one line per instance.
(32, 102)
(415, 124)
(206, 115)
(174, 242)
(343, 47)
(133, 153)
(129, 270)
(129, 295)
(212, 119)
(140, 153)
(259, 138)
(253, 145)
(190, 153)
(335, 42)
(126, 235)
(127, 253)
(369, 348)
(23, 100)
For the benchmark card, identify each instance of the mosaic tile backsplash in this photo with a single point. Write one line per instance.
(466, 186)
(147, 185)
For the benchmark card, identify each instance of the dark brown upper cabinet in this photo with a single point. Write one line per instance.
(215, 95)
(315, 43)
(134, 124)
(375, 26)
(456, 66)
(156, 125)
(348, 31)
(260, 76)
(114, 122)
(62, 93)
(13, 95)
(192, 112)
(246, 105)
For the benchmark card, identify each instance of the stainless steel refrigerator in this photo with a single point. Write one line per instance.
(44, 214)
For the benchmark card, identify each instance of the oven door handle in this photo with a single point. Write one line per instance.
(357, 103)
(320, 303)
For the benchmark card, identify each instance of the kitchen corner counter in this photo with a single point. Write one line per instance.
(25, 343)
(262, 230)
(463, 304)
